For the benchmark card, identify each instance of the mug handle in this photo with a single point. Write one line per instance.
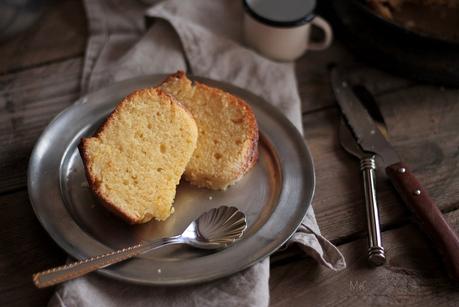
(328, 34)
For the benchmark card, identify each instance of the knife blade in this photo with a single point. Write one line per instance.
(371, 140)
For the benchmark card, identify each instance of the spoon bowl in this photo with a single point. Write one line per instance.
(216, 228)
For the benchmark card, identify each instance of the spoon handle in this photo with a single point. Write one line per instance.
(79, 268)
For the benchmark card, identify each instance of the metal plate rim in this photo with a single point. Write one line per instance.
(289, 230)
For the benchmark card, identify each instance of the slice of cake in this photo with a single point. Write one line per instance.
(228, 133)
(135, 161)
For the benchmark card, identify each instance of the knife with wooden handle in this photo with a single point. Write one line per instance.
(371, 140)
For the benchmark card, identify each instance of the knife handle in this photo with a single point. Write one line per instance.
(428, 215)
(376, 254)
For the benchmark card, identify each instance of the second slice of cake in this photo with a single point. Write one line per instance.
(227, 128)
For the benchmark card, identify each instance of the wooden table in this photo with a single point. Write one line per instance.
(39, 76)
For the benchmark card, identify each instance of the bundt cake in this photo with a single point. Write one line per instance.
(136, 159)
(227, 129)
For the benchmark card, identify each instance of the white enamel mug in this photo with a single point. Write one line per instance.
(280, 29)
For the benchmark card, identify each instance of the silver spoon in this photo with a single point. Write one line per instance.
(214, 229)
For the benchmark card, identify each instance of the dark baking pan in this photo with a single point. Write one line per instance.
(431, 24)
(396, 46)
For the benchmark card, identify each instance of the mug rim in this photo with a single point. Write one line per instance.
(275, 23)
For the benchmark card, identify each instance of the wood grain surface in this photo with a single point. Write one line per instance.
(40, 73)
(59, 34)
(29, 99)
(412, 276)
(25, 249)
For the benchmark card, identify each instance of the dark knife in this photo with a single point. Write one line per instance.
(371, 140)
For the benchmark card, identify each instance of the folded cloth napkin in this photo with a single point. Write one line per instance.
(202, 37)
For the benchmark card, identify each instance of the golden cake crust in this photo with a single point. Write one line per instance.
(82, 147)
(249, 157)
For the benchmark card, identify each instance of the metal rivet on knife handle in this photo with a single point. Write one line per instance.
(429, 215)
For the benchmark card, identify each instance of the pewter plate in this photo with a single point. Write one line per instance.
(274, 195)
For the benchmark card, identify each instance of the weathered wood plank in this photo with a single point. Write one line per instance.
(313, 76)
(28, 101)
(312, 71)
(413, 276)
(423, 124)
(59, 34)
(26, 249)
(421, 112)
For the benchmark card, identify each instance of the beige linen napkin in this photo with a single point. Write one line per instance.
(202, 37)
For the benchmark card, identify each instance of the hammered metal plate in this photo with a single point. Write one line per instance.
(274, 195)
